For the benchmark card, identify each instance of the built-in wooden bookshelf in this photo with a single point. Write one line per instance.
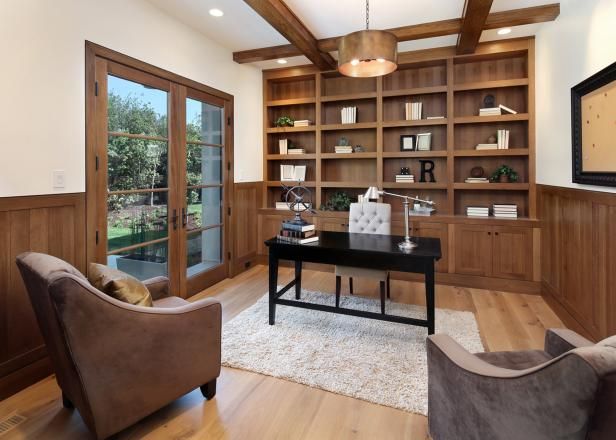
(451, 86)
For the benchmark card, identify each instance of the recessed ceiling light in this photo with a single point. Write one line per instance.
(281, 61)
(504, 31)
(216, 12)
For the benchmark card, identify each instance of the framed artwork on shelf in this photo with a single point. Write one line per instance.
(299, 174)
(593, 129)
(287, 173)
(408, 142)
(423, 141)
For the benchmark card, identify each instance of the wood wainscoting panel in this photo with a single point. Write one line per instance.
(579, 256)
(246, 202)
(53, 224)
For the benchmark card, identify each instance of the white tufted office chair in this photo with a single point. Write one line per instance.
(366, 218)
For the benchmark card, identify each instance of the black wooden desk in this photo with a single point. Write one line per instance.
(357, 250)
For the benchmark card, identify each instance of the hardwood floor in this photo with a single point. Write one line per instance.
(252, 406)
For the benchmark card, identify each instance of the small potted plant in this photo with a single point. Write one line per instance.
(339, 201)
(284, 121)
(504, 174)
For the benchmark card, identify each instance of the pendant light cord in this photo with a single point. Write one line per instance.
(367, 14)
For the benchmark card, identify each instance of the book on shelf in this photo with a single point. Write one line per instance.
(435, 117)
(348, 115)
(502, 137)
(292, 226)
(424, 141)
(302, 123)
(476, 180)
(422, 211)
(405, 178)
(296, 151)
(283, 146)
(343, 149)
(495, 111)
(507, 109)
(285, 205)
(413, 111)
(477, 211)
(486, 147)
(505, 210)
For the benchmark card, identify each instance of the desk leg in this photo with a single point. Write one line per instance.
(430, 296)
(273, 286)
(298, 280)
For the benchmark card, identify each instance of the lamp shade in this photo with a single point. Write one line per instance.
(372, 193)
(367, 53)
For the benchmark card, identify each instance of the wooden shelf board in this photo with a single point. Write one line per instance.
(358, 126)
(292, 101)
(492, 153)
(412, 154)
(347, 184)
(416, 123)
(290, 129)
(479, 85)
(485, 119)
(348, 97)
(416, 185)
(492, 186)
(274, 183)
(415, 91)
(291, 156)
(365, 155)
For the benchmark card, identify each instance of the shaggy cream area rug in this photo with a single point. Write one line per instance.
(381, 362)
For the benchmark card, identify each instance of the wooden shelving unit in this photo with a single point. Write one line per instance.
(453, 87)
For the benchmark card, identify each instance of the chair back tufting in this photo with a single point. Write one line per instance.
(370, 218)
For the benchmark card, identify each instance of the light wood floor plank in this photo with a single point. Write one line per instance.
(253, 406)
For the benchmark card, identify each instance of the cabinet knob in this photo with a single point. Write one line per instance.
(489, 233)
(496, 233)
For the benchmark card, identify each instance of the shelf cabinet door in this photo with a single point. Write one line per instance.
(512, 250)
(434, 230)
(333, 224)
(473, 250)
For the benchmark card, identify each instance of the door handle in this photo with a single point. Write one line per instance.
(174, 219)
(184, 218)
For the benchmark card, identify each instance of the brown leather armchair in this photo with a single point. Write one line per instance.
(115, 362)
(566, 391)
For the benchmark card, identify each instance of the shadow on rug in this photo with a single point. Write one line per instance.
(377, 361)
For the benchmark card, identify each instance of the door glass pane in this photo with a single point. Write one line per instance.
(135, 218)
(135, 108)
(204, 250)
(203, 165)
(144, 262)
(204, 122)
(204, 207)
(136, 163)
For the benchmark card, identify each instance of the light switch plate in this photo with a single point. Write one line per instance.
(58, 179)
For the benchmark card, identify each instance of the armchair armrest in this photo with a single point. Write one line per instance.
(559, 341)
(158, 287)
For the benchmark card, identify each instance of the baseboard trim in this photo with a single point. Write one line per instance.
(550, 296)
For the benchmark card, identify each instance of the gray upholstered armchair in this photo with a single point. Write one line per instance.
(567, 391)
(115, 362)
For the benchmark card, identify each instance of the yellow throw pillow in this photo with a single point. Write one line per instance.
(119, 285)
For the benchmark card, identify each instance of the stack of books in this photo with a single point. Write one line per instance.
(296, 151)
(413, 111)
(476, 180)
(349, 115)
(502, 137)
(505, 210)
(297, 233)
(486, 147)
(302, 123)
(343, 149)
(477, 211)
(283, 146)
(494, 111)
(405, 178)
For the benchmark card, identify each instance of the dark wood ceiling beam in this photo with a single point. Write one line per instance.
(281, 18)
(473, 20)
(495, 20)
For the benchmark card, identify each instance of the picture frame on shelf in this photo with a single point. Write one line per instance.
(593, 103)
(287, 173)
(424, 141)
(408, 142)
(299, 173)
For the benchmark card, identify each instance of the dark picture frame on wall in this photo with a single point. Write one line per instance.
(593, 129)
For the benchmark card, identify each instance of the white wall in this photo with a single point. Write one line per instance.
(42, 83)
(579, 43)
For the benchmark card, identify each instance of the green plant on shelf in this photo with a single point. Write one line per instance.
(284, 121)
(504, 173)
(339, 201)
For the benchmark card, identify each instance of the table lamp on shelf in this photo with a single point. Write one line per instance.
(373, 193)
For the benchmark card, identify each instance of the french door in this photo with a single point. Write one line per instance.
(159, 195)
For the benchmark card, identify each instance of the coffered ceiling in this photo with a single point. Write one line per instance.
(241, 28)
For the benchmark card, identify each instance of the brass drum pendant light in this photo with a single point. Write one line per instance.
(367, 53)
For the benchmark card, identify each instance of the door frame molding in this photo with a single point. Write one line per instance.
(93, 52)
